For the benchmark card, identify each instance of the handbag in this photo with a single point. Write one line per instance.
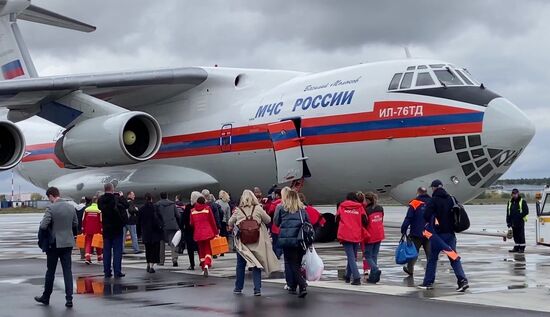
(306, 235)
(219, 245)
(406, 251)
(80, 241)
(97, 241)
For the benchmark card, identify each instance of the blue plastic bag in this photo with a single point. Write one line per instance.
(405, 252)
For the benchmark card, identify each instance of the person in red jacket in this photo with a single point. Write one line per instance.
(375, 235)
(275, 230)
(204, 229)
(91, 225)
(314, 215)
(351, 218)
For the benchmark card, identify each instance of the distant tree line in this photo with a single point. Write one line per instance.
(524, 181)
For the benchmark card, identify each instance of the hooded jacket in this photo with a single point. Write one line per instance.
(351, 216)
(440, 207)
(113, 210)
(203, 223)
(169, 213)
(91, 223)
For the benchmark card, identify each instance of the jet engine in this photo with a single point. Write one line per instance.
(12, 145)
(116, 139)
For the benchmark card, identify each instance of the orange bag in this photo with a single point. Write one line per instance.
(80, 241)
(219, 245)
(97, 241)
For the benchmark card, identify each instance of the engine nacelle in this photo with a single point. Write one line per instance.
(12, 145)
(117, 139)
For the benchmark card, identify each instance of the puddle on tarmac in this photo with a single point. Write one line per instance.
(99, 286)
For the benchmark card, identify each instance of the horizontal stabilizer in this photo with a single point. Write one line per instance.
(36, 14)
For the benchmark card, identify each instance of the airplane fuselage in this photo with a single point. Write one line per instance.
(352, 132)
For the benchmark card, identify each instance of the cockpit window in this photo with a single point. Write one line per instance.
(424, 79)
(422, 67)
(407, 81)
(411, 68)
(437, 65)
(466, 80)
(447, 77)
(394, 84)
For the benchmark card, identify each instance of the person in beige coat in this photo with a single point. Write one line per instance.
(259, 256)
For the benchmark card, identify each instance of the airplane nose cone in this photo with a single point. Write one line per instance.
(505, 126)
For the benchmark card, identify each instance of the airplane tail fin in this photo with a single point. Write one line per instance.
(15, 60)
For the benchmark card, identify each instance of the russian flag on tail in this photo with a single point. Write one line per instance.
(12, 69)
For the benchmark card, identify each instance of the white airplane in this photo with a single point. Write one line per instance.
(388, 127)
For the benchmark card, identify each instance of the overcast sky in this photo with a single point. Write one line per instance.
(504, 43)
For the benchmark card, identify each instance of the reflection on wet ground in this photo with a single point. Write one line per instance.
(100, 286)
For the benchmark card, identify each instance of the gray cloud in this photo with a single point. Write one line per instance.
(502, 42)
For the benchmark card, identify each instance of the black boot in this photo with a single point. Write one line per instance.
(514, 250)
(521, 249)
(43, 300)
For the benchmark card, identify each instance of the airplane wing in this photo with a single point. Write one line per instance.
(125, 89)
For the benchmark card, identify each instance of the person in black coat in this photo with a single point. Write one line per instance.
(516, 216)
(151, 225)
(113, 210)
(439, 215)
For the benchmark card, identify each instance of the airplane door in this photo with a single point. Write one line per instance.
(287, 146)
(225, 137)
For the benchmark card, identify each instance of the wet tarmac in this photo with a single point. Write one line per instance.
(497, 280)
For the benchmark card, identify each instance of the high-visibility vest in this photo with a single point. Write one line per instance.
(520, 208)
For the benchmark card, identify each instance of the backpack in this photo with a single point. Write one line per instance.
(249, 229)
(460, 217)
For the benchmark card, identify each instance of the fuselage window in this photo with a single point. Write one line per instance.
(466, 80)
(447, 77)
(424, 79)
(394, 84)
(407, 81)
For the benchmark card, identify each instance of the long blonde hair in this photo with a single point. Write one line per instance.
(291, 201)
(224, 196)
(284, 191)
(248, 199)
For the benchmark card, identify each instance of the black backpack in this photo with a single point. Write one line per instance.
(460, 217)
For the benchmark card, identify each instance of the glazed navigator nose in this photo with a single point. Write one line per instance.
(505, 126)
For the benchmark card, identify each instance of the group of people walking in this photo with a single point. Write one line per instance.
(261, 230)
(429, 223)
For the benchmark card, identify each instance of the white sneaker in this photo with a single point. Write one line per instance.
(205, 271)
(286, 288)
